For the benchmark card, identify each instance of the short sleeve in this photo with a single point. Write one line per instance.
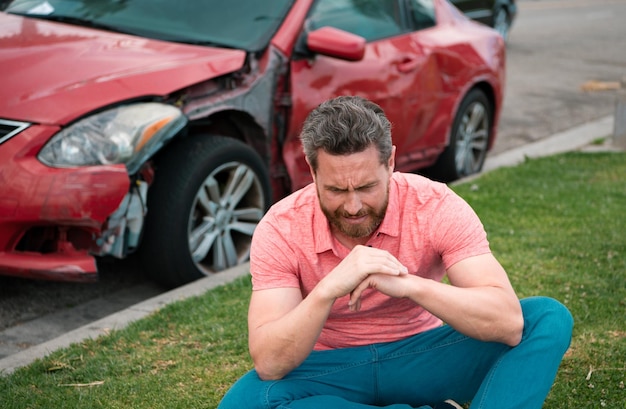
(457, 232)
(272, 261)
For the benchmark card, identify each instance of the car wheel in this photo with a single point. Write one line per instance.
(208, 195)
(469, 139)
(502, 23)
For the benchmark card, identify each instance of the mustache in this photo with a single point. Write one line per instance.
(360, 213)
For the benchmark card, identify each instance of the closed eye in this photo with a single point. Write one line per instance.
(364, 188)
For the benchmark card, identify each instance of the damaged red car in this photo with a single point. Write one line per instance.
(167, 128)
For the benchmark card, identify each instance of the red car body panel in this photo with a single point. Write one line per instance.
(91, 69)
(287, 34)
(55, 74)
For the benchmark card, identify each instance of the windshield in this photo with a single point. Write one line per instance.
(241, 24)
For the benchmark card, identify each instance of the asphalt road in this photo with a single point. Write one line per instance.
(560, 56)
(566, 65)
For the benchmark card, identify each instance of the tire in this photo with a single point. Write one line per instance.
(208, 195)
(469, 139)
(502, 23)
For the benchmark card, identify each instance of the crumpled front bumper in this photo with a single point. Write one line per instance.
(51, 220)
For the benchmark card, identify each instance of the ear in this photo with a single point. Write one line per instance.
(310, 168)
(392, 159)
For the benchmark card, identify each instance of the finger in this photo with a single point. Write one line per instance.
(394, 266)
(379, 261)
(354, 305)
(389, 267)
(355, 296)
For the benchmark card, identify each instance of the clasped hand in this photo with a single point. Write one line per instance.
(366, 267)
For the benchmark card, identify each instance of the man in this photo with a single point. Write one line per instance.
(348, 304)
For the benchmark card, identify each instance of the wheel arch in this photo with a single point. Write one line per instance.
(445, 169)
(237, 125)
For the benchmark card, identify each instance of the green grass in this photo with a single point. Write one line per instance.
(184, 356)
(557, 224)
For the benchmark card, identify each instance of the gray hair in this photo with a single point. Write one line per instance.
(345, 125)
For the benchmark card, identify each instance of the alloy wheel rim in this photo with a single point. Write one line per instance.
(227, 207)
(473, 134)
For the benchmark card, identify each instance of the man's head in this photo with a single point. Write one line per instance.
(345, 125)
(347, 143)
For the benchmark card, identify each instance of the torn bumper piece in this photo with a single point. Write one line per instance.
(77, 267)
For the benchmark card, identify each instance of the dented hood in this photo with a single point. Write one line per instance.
(53, 73)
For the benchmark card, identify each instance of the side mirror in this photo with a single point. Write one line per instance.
(337, 43)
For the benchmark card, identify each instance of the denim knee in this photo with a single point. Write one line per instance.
(549, 320)
(244, 393)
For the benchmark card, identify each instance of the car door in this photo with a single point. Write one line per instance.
(388, 74)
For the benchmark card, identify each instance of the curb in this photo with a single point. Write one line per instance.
(568, 140)
(571, 139)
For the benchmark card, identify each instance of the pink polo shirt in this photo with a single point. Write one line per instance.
(427, 227)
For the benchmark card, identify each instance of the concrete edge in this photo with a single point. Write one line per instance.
(565, 141)
(568, 140)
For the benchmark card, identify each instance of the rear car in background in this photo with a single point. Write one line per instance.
(168, 128)
(498, 14)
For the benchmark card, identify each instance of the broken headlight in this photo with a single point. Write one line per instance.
(126, 134)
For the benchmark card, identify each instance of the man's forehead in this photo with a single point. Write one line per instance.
(349, 171)
(368, 155)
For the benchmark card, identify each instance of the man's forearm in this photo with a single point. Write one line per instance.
(484, 313)
(277, 347)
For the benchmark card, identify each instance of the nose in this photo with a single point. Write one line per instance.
(353, 203)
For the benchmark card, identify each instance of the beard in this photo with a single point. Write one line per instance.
(375, 218)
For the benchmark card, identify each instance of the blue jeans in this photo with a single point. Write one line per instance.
(422, 370)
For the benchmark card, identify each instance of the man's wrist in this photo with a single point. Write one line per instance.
(323, 293)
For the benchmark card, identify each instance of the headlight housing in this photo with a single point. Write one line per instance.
(127, 134)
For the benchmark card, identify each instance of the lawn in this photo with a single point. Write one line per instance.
(557, 224)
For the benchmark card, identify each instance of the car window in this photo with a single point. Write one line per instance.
(242, 24)
(422, 12)
(371, 19)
